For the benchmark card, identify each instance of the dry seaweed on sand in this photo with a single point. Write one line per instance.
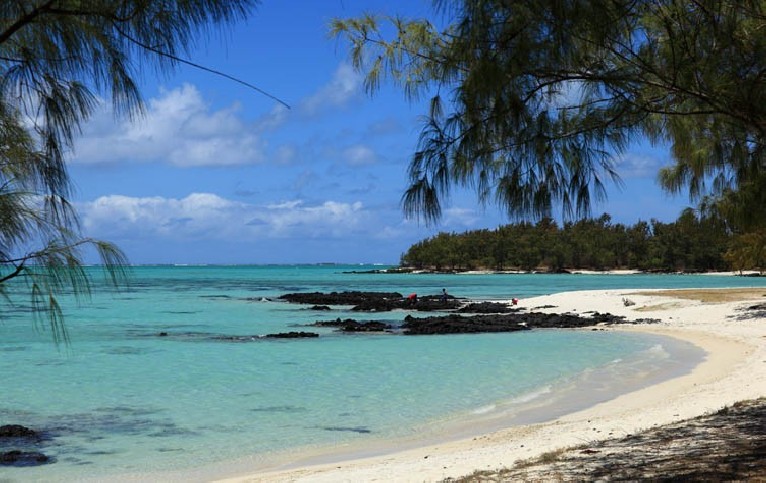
(727, 445)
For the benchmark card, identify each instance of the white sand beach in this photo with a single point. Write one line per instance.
(734, 369)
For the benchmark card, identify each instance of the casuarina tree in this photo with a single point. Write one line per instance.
(58, 60)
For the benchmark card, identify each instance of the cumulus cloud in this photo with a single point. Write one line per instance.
(344, 86)
(294, 217)
(209, 216)
(178, 128)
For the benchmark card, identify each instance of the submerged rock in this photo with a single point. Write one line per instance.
(320, 307)
(293, 335)
(354, 429)
(333, 323)
(17, 431)
(371, 326)
(23, 458)
(352, 325)
(201, 336)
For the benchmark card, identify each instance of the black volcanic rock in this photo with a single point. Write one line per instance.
(23, 458)
(428, 303)
(432, 303)
(293, 335)
(373, 301)
(458, 324)
(352, 325)
(17, 431)
(382, 305)
(339, 298)
(371, 326)
(487, 308)
(202, 336)
(333, 323)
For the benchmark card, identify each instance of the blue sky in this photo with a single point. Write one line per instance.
(217, 173)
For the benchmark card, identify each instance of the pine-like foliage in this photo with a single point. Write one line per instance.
(57, 58)
(532, 101)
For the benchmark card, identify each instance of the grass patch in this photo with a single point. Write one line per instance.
(712, 296)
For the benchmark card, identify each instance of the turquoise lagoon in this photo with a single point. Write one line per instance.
(122, 401)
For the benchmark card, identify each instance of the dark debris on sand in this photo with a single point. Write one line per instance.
(729, 445)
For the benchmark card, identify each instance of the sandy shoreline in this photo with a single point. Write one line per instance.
(733, 370)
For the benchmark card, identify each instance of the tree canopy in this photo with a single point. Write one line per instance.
(58, 58)
(690, 244)
(532, 101)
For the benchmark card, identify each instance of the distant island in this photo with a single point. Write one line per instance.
(689, 245)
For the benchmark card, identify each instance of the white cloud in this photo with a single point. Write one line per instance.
(273, 119)
(329, 218)
(359, 155)
(209, 216)
(178, 128)
(344, 86)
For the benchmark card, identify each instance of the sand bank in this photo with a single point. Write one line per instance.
(733, 370)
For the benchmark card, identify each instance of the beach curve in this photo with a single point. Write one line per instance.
(734, 369)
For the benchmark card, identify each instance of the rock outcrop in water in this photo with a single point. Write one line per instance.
(458, 324)
(493, 316)
(373, 301)
(202, 336)
(352, 325)
(17, 431)
(23, 458)
(339, 298)
(293, 335)
(487, 308)
(16, 436)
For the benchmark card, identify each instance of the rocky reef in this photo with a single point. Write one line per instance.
(15, 436)
(459, 324)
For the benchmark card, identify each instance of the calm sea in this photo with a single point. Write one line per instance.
(121, 400)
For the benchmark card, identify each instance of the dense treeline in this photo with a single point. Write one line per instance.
(689, 244)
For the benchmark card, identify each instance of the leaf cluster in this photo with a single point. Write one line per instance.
(532, 101)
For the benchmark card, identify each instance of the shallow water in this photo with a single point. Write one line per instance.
(123, 400)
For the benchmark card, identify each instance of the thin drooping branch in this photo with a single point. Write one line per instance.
(198, 66)
(24, 20)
